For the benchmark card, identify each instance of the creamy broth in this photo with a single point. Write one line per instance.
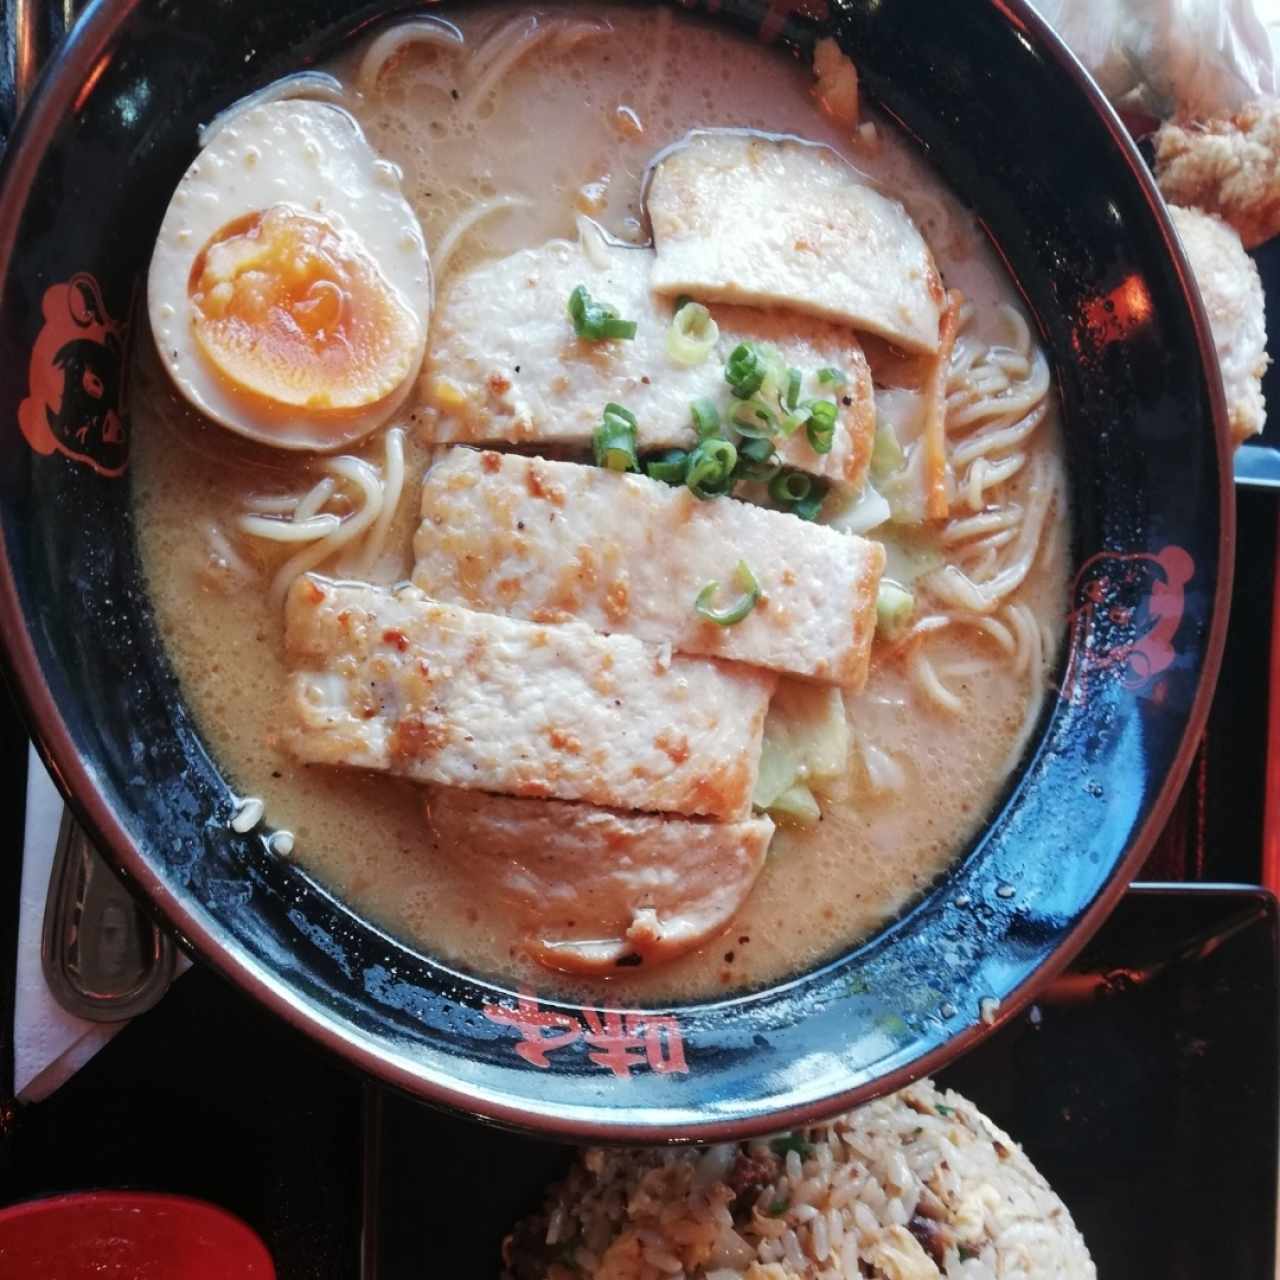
(571, 127)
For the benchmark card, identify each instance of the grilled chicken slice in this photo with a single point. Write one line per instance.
(553, 541)
(776, 222)
(596, 891)
(401, 683)
(505, 366)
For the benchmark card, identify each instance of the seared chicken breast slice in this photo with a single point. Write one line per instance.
(397, 682)
(597, 891)
(553, 541)
(776, 222)
(505, 366)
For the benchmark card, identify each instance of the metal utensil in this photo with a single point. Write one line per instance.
(104, 958)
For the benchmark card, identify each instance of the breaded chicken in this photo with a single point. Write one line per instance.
(1229, 166)
(1232, 294)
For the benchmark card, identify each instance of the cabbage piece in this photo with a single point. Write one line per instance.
(865, 512)
(806, 746)
(797, 805)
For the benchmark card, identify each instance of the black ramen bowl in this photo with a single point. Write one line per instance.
(1012, 124)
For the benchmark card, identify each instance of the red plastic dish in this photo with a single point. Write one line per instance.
(128, 1235)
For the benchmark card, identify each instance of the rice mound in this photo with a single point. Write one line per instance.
(910, 1187)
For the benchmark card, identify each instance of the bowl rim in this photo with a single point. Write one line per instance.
(70, 68)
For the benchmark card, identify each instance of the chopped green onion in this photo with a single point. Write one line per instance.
(795, 419)
(756, 420)
(943, 1110)
(895, 606)
(790, 486)
(807, 508)
(821, 427)
(612, 410)
(706, 418)
(773, 389)
(710, 471)
(596, 321)
(793, 387)
(682, 300)
(692, 335)
(614, 441)
(747, 584)
(757, 460)
(967, 1253)
(778, 1208)
(832, 375)
(669, 467)
(745, 370)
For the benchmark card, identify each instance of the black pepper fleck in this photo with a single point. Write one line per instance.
(453, 93)
(846, 401)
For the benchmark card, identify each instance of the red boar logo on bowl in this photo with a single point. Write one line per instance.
(75, 382)
(1127, 609)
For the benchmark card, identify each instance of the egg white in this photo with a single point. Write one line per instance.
(313, 156)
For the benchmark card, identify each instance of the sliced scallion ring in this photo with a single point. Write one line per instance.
(821, 427)
(706, 418)
(597, 321)
(669, 467)
(829, 375)
(614, 441)
(796, 418)
(757, 460)
(793, 388)
(746, 582)
(754, 419)
(744, 371)
(692, 335)
(710, 470)
(789, 487)
(808, 507)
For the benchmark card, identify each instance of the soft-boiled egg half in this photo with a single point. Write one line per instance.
(290, 288)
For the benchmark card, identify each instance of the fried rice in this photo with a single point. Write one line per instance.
(911, 1187)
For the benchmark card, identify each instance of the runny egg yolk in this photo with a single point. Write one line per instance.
(294, 312)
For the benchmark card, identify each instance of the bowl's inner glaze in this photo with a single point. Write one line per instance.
(90, 177)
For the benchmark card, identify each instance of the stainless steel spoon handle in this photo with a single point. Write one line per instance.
(104, 958)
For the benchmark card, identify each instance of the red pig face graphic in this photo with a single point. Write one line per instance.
(75, 384)
(1126, 612)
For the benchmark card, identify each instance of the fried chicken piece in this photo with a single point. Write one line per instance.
(836, 84)
(1227, 165)
(1232, 294)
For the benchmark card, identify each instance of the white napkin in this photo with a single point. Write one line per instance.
(49, 1044)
